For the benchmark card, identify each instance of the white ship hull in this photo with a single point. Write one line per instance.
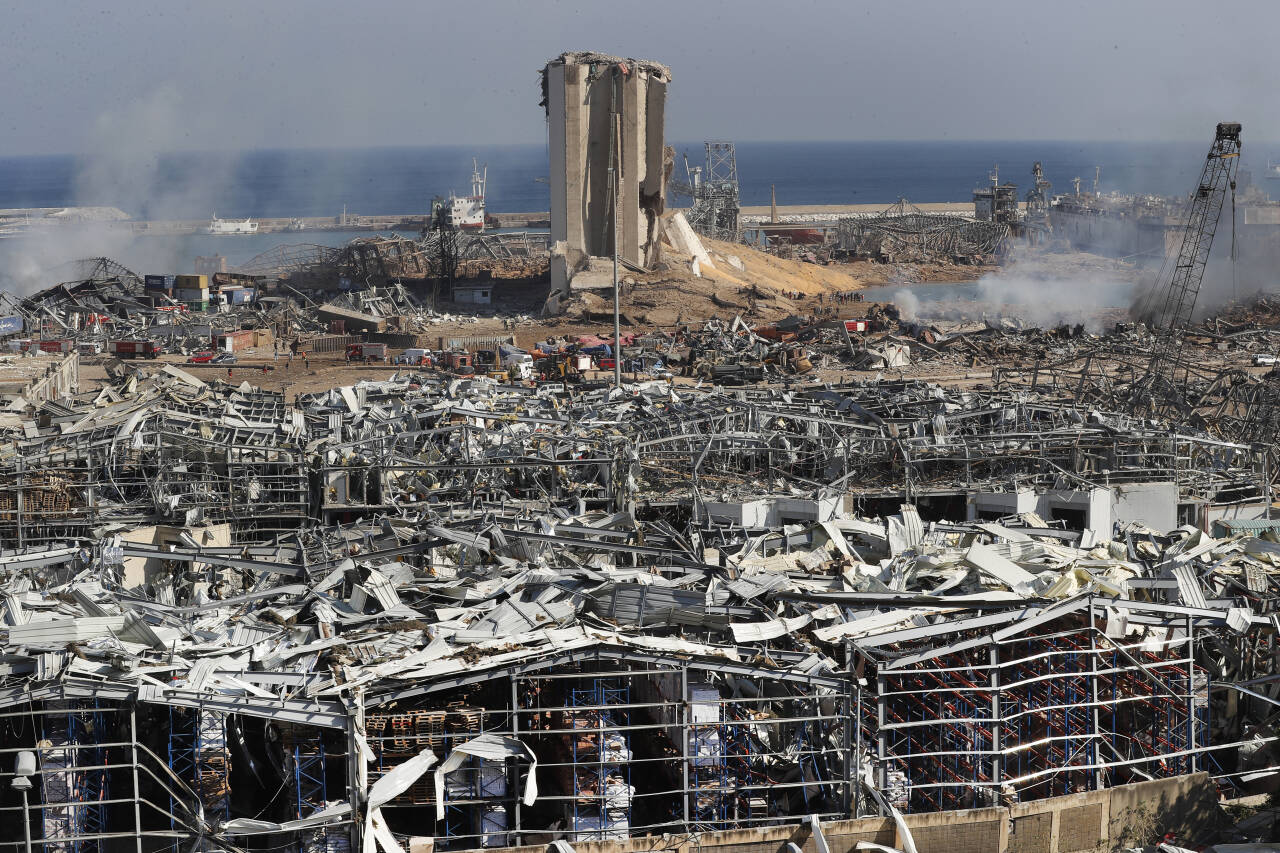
(227, 227)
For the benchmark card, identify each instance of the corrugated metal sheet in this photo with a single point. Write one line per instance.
(1189, 585)
(59, 632)
(641, 604)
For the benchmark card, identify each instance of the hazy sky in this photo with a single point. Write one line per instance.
(312, 73)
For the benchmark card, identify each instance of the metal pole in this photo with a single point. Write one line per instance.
(615, 159)
(26, 821)
(137, 793)
(685, 734)
(1191, 692)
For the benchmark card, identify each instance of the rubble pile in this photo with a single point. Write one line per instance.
(439, 606)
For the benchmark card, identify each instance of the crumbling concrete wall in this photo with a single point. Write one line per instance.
(62, 379)
(1109, 819)
(598, 105)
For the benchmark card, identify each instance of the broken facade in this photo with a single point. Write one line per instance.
(605, 125)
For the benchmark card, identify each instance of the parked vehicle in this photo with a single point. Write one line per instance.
(212, 357)
(459, 362)
(48, 346)
(519, 365)
(133, 349)
(366, 352)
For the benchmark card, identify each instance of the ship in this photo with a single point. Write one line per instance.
(467, 212)
(1273, 170)
(232, 226)
(1114, 224)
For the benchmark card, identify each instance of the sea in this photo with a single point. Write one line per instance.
(403, 180)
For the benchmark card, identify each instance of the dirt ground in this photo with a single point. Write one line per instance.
(760, 287)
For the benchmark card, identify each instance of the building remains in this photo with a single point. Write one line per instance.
(609, 164)
(766, 592)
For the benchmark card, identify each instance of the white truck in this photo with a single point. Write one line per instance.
(519, 365)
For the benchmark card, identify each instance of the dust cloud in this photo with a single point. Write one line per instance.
(125, 167)
(1036, 288)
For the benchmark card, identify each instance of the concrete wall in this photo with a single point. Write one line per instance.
(60, 380)
(1130, 815)
(1153, 504)
(773, 511)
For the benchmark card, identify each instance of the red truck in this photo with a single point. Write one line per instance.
(133, 349)
(366, 352)
(458, 362)
(48, 346)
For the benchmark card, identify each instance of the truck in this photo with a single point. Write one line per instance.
(457, 361)
(366, 352)
(48, 346)
(133, 349)
(519, 365)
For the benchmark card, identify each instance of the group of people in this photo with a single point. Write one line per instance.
(841, 297)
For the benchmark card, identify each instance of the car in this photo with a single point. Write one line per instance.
(1264, 360)
(202, 357)
(223, 358)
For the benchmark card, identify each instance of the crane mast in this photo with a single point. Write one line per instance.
(1167, 310)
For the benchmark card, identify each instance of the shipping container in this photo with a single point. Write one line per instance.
(159, 282)
(192, 282)
(235, 341)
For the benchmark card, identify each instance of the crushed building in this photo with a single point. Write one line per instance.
(428, 607)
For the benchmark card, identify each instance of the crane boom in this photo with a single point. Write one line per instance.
(1171, 309)
(1168, 309)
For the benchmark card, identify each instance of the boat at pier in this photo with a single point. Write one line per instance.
(232, 226)
(467, 212)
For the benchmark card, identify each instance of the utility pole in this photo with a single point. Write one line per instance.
(24, 769)
(615, 130)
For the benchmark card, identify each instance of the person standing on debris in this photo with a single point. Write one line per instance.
(275, 350)
(228, 374)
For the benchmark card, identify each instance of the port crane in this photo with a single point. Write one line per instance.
(1167, 306)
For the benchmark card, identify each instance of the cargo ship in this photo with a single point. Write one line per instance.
(467, 212)
(232, 226)
(1127, 226)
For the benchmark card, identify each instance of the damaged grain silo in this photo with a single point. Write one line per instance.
(604, 113)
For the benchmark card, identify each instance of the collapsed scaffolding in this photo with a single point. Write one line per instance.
(424, 593)
(903, 233)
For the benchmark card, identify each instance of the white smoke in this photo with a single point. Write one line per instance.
(1036, 289)
(908, 304)
(1049, 300)
(123, 166)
